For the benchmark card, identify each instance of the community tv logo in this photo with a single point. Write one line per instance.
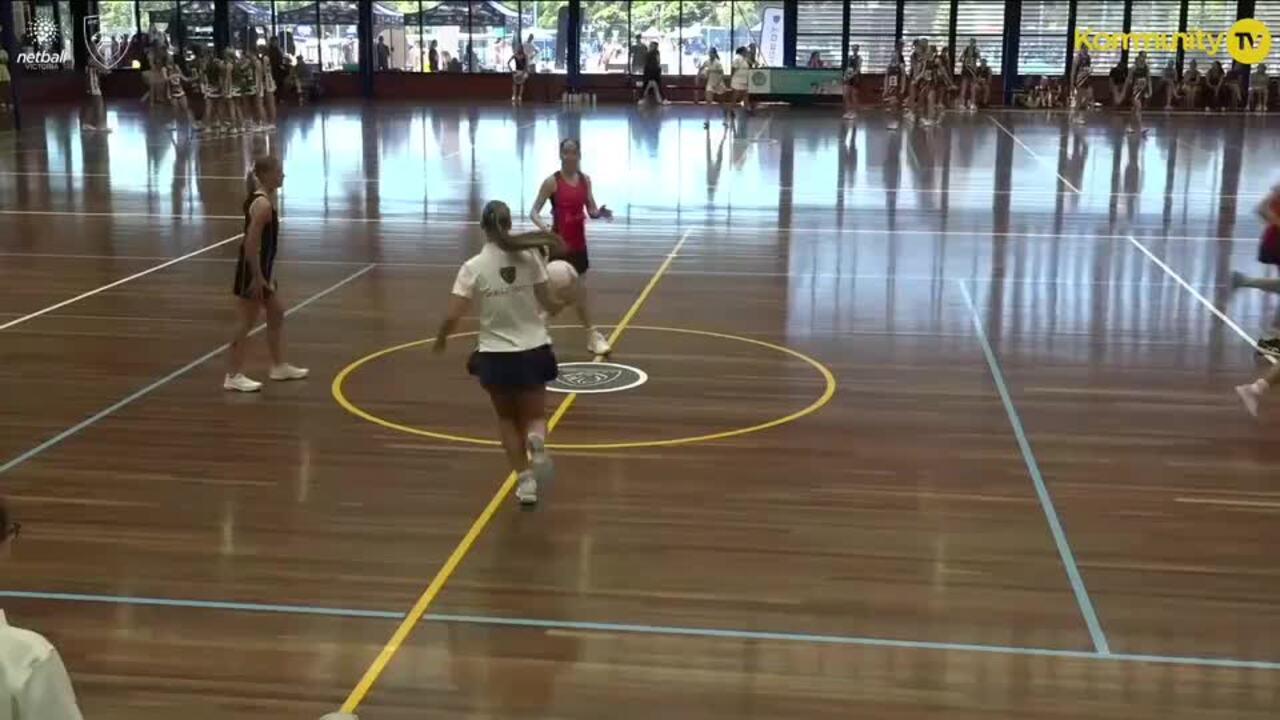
(1248, 41)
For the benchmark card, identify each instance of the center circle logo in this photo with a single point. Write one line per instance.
(596, 377)
(1249, 41)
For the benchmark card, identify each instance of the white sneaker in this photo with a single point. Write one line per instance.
(539, 461)
(527, 488)
(286, 371)
(597, 345)
(1237, 279)
(240, 383)
(1250, 396)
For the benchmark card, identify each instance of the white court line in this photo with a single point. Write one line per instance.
(1203, 300)
(1034, 154)
(164, 380)
(117, 283)
(623, 227)
(808, 191)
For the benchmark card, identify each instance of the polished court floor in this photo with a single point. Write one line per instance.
(939, 423)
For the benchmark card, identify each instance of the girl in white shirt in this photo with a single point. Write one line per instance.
(717, 92)
(739, 81)
(33, 681)
(507, 284)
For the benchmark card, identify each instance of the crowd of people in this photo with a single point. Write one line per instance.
(208, 93)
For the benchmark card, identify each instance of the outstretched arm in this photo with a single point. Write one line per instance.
(593, 211)
(544, 194)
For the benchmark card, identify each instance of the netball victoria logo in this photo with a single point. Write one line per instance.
(46, 49)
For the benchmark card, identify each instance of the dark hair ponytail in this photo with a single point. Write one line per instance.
(495, 220)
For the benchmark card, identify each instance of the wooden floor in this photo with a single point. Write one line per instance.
(1033, 493)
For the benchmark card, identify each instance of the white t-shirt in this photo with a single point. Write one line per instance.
(531, 52)
(714, 73)
(33, 681)
(741, 73)
(500, 284)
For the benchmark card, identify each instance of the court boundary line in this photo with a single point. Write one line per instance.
(636, 629)
(442, 576)
(1067, 557)
(156, 384)
(1034, 154)
(623, 227)
(118, 283)
(805, 192)
(1225, 318)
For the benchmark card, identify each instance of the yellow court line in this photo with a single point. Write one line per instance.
(419, 609)
(827, 376)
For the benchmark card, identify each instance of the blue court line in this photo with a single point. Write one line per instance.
(15, 462)
(642, 629)
(1042, 492)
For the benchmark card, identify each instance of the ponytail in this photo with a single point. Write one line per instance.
(495, 220)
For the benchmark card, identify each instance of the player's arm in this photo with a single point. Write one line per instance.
(593, 211)
(1268, 207)
(546, 299)
(544, 194)
(259, 215)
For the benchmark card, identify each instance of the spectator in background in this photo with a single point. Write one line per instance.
(652, 76)
(1119, 77)
(753, 55)
(815, 61)
(638, 53)
(384, 54)
(1216, 79)
(275, 61)
(1259, 89)
(433, 57)
(1235, 85)
(34, 684)
(1169, 84)
(1192, 79)
(6, 89)
(531, 53)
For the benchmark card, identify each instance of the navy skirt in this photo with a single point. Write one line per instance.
(529, 368)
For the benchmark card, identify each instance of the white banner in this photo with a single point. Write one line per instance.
(772, 26)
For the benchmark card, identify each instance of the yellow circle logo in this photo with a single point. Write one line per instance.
(1249, 41)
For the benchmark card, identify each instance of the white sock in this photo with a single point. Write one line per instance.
(1261, 385)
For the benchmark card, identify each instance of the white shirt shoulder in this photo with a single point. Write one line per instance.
(33, 678)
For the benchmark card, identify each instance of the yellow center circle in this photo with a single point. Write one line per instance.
(828, 378)
(1249, 41)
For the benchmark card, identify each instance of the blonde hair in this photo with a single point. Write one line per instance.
(495, 220)
(262, 164)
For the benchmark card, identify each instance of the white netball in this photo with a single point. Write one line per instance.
(563, 279)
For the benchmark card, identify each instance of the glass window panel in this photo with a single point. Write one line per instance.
(659, 23)
(982, 20)
(875, 51)
(746, 26)
(116, 27)
(494, 28)
(706, 25)
(444, 26)
(339, 36)
(819, 29)
(1268, 11)
(872, 26)
(604, 37)
(1157, 17)
(1210, 16)
(402, 43)
(1044, 42)
(299, 35)
(930, 20)
(250, 24)
(548, 22)
(1102, 16)
(157, 21)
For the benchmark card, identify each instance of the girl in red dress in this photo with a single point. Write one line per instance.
(572, 202)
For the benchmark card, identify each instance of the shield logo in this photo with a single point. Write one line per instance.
(102, 51)
(589, 378)
(508, 274)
